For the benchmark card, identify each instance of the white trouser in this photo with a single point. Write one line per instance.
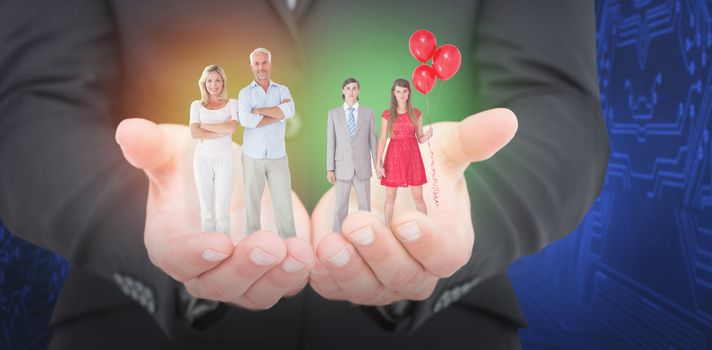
(215, 179)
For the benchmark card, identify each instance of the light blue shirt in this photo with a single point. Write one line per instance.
(265, 142)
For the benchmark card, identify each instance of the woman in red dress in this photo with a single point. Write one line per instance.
(403, 164)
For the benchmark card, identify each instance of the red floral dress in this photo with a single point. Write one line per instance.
(403, 163)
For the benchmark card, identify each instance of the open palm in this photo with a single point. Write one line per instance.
(370, 263)
(252, 271)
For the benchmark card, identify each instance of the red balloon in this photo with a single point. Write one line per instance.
(424, 78)
(422, 45)
(446, 61)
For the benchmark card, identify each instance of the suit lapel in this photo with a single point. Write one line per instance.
(290, 18)
(361, 121)
(302, 8)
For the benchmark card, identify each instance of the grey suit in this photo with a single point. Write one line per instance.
(350, 159)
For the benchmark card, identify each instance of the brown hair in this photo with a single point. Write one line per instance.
(347, 82)
(394, 103)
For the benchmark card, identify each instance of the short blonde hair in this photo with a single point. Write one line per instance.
(260, 49)
(204, 95)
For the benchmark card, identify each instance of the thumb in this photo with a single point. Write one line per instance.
(186, 257)
(476, 138)
(144, 145)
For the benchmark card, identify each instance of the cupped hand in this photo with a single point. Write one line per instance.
(371, 263)
(252, 271)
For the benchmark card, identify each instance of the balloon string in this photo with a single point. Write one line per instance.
(440, 91)
(436, 188)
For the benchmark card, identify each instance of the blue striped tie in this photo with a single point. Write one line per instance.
(351, 122)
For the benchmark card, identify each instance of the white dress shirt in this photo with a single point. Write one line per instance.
(291, 4)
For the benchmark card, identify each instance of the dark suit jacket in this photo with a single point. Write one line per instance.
(72, 69)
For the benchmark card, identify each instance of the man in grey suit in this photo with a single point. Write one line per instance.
(350, 148)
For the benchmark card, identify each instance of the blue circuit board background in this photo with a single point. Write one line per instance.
(636, 273)
(30, 279)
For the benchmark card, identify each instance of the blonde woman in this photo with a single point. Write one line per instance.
(213, 119)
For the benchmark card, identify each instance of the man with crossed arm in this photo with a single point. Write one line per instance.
(263, 107)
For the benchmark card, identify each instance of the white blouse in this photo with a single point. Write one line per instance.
(220, 147)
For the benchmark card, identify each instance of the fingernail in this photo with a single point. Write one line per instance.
(408, 232)
(363, 236)
(292, 265)
(211, 255)
(260, 257)
(340, 259)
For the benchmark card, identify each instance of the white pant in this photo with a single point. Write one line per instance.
(215, 179)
